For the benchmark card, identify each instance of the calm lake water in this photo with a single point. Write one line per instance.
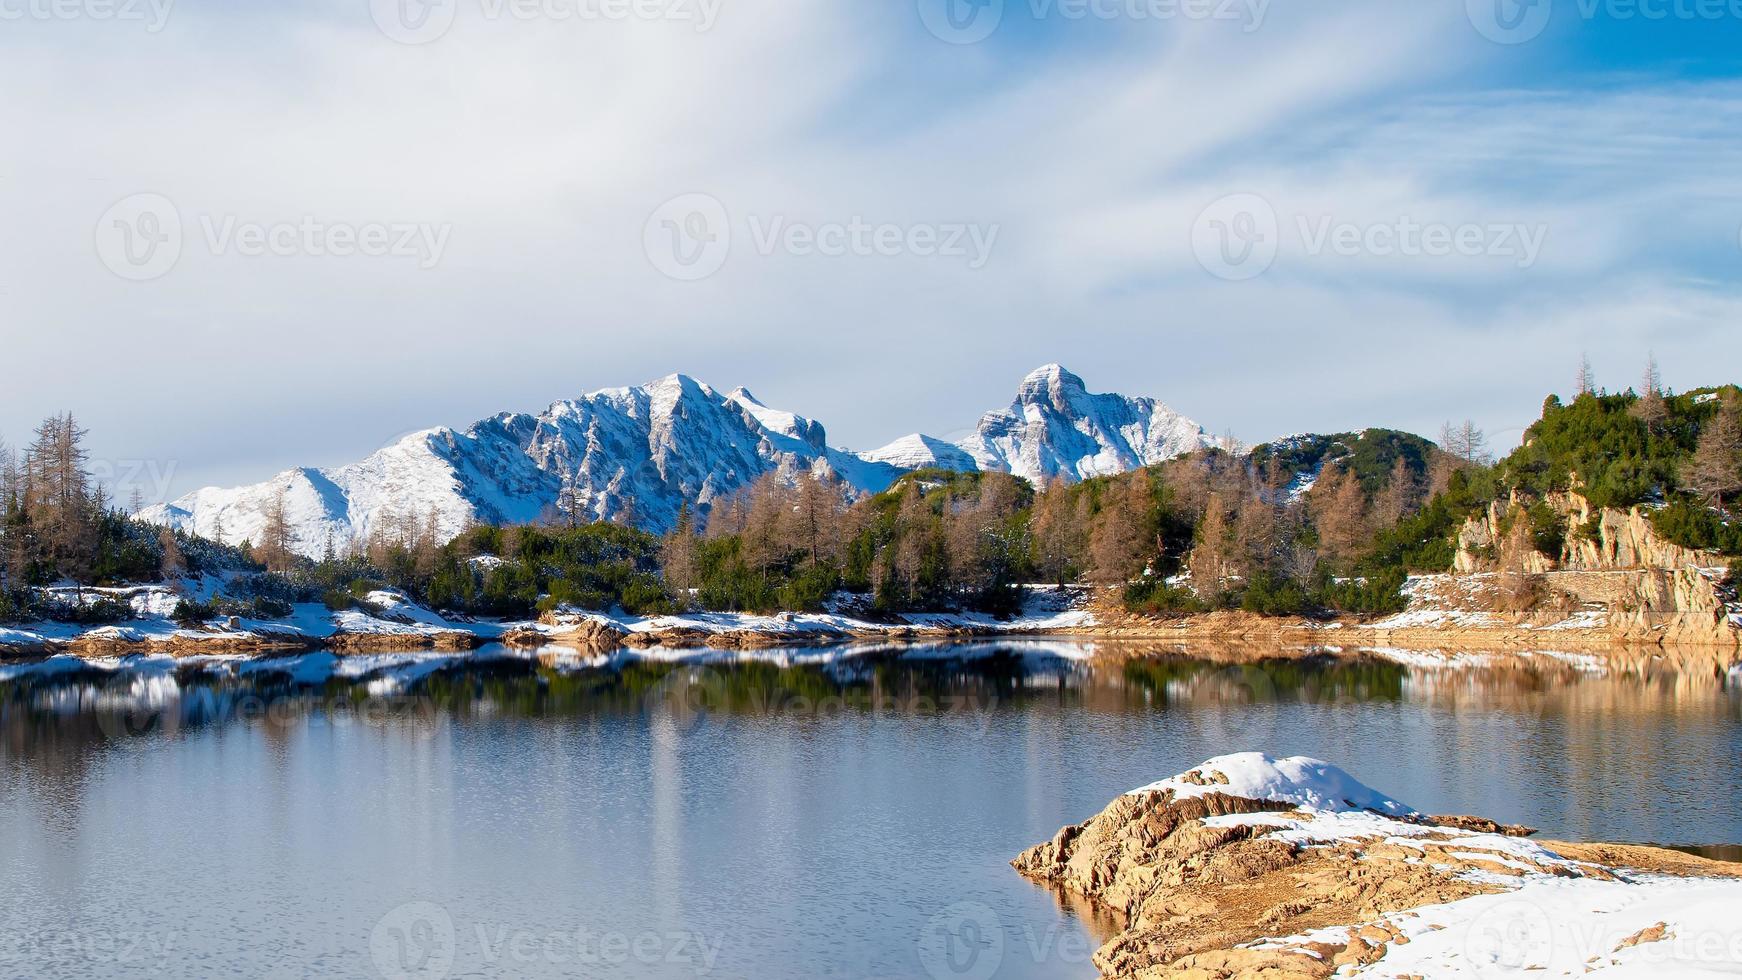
(831, 816)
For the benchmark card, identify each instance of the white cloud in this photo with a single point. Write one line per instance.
(545, 147)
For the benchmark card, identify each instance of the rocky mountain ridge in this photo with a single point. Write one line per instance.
(640, 453)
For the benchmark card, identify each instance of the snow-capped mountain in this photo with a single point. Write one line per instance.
(1056, 429)
(643, 452)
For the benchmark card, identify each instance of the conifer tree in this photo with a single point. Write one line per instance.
(58, 500)
(1651, 408)
(172, 564)
(1122, 539)
(1715, 470)
(276, 548)
(1209, 560)
(678, 556)
(1060, 530)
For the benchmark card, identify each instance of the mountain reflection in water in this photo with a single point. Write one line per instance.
(809, 813)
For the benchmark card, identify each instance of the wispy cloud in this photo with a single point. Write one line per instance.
(545, 146)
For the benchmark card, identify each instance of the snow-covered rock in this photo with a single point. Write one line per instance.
(645, 451)
(1310, 784)
(1290, 868)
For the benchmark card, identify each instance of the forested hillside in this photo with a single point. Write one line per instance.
(1314, 524)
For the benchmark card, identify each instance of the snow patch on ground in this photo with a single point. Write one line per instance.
(1044, 608)
(1427, 618)
(1560, 927)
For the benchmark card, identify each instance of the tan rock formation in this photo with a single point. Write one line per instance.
(1195, 897)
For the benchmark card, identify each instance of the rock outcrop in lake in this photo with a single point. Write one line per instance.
(1290, 869)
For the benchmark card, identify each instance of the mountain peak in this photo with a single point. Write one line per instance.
(1056, 428)
(681, 382)
(670, 443)
(1051, 374)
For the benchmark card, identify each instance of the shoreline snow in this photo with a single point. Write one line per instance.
(1529, 908)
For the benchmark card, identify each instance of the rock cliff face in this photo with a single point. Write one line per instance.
(1652, 588)
(1597, 540)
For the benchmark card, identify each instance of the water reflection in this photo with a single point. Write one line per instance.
(55, 715)
(806, 812)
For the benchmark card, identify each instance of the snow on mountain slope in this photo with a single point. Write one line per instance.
(917, 452)
(638, 452)
(642, 452)
(1056, 428)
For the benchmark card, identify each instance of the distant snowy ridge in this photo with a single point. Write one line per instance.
(643, 452)
(1056, 429)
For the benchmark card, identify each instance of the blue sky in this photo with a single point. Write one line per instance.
(1579, 181)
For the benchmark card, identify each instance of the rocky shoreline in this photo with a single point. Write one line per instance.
(1290, 869)
(1444, 621)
